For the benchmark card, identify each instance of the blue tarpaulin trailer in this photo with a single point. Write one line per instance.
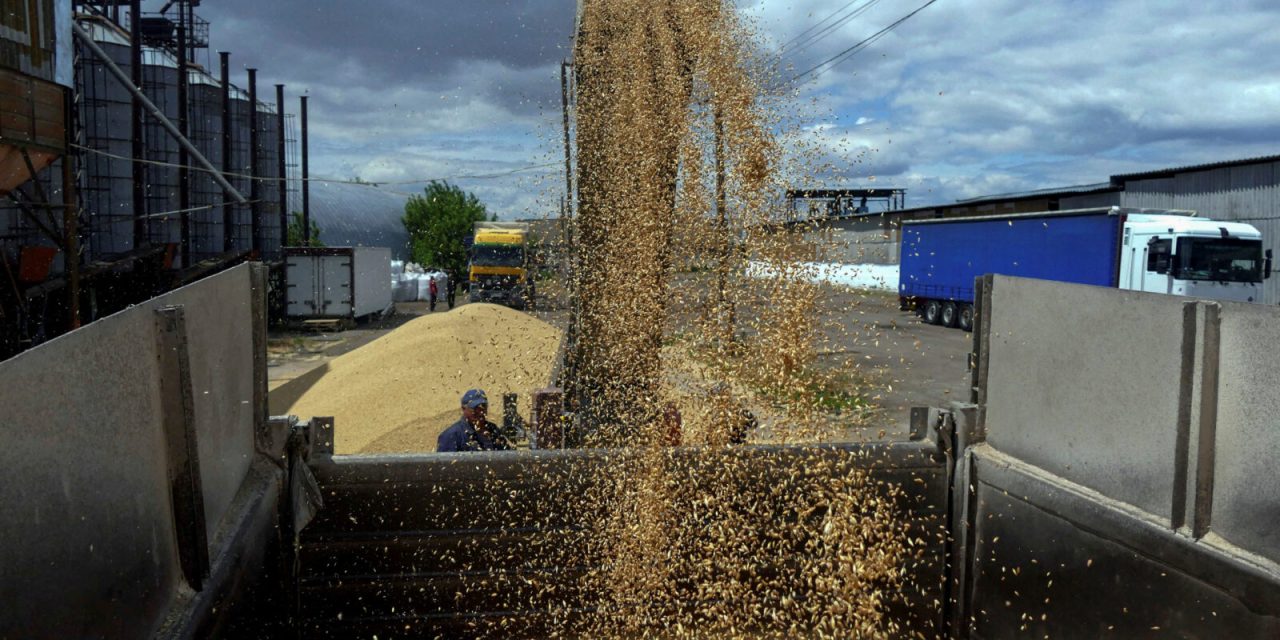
(941, 258)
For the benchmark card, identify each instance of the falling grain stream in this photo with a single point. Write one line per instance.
(677, 164)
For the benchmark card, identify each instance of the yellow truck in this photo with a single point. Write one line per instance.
(500, 271)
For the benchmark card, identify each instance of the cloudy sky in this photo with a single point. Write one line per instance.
(966, 98)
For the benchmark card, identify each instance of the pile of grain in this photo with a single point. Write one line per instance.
(398, 393)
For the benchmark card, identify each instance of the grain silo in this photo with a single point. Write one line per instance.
(205, 127)
(106, 189)
(160, 83)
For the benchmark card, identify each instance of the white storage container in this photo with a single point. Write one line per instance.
(337, 282)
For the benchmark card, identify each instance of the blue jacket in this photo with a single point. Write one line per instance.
(461, 436)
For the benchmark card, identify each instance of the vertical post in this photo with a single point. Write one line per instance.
(185, 485)
(282, 169)
(255, 191)
(568, 162)
(140, 237)
(566, 233)
(228, 213)
(306, 179)
(723, 303)
(184, 174)
(71, 220)
(548, 424)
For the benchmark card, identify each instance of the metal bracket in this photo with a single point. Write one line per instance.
(178, 410)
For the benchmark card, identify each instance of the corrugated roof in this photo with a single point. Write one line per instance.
(352, 215)
(1040, 193)
(1120, 179)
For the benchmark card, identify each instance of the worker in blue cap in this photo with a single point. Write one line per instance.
(473, 432)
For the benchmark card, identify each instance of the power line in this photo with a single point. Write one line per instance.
(826, 33)
(480, 176)
(863, 44)
(206, 207)
(815, 26)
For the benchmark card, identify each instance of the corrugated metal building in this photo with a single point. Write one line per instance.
(1245, 190)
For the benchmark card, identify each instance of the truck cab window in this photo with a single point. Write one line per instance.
(498, 256)
(1219, 259)
(1158, 257)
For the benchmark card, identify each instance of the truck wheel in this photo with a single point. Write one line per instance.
(949, 313)
(965, 321)
(931, 312)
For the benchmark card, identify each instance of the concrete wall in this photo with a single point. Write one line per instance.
(85, 490)
(1163, 403)
(220, 329)
(1246, 482)
(1084, 383)
(868, 240)
(1127, 483)
(89, 544)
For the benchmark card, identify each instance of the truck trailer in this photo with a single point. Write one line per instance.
(1153, 250)
(147, 491)
(336, 283)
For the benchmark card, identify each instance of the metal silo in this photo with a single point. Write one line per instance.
(160, 83)
(205, 127)
(106, 188)
(239, 167)
(269, 184)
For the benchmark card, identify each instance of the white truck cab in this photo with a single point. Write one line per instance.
(1191, 256)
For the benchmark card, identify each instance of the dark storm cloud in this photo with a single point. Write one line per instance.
(485, 47)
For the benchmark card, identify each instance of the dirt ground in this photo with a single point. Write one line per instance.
(293, 353)
(910, 363)
(904, 362)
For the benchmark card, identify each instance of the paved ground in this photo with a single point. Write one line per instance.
(911, 363)
(905, 363)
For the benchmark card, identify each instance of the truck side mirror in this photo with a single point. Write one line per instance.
(1266, 265)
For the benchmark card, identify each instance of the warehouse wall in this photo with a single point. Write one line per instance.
(866, 240)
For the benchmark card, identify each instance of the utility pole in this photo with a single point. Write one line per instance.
(568, 156)
(724, 304)
(140, 236)
(282, 169)
(71, 221)
(566, 241)
(184, 174)
(255, 192)
(228, 210)
(306, 179)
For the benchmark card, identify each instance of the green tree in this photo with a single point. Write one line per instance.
(294, 236)
(439, 223)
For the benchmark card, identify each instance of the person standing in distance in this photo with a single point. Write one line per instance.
(435, 290)
(473, 432)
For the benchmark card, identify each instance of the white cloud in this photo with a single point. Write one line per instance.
(969, 97)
